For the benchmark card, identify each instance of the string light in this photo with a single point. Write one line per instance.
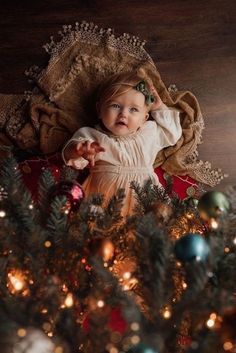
(228, 346)
(21, 332)
(44, 311)
(2, 213)
(100, 303)
(108, 250)
(129, 284)
(69, 301)
(134, 326)
(47, 244)
(211, 321)
(213, 223)
(135, 339)
(166, 312)
(127, 275)
(16, 283)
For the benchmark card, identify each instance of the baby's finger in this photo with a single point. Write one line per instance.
(97, 147)
(90, 158)
(80, 148)
(88, 147)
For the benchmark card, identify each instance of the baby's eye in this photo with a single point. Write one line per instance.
(133, 109)
(115, 105)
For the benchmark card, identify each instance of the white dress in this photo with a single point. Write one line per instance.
(127, 158)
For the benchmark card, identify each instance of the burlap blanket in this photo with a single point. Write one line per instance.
(63, 98)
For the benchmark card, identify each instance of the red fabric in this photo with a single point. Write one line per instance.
(33, 168)
(180, 184)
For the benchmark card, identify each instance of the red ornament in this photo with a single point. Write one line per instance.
(72, 190)
(116, 322)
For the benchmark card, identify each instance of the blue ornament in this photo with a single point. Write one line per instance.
(141, 348)
(191, 247)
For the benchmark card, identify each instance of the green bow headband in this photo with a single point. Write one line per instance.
(141, 87)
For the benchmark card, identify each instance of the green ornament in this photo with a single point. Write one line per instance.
(212, 205)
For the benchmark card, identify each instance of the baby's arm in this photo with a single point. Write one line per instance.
(168, 121)
(80, 151)
(86, 150)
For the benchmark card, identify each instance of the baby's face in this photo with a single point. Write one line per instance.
(124, 114)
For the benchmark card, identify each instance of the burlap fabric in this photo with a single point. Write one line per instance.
(64, 97)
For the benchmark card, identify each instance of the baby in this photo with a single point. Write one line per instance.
(123, 146)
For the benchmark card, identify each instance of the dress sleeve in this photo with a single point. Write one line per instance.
(168, 125)
(80, 135)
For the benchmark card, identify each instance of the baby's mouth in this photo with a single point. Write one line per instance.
(122, 123)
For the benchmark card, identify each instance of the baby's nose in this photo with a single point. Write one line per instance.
(124, 112)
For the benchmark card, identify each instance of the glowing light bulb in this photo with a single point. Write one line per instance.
(100, 303)
(135, 339)
(213, 223)
(16, 282)
(166, 313)
(134, 326)
(107, 250)
(2, 213)
(21, 332)
(47, 244)
(69, 301)
(227, 346)
(127, 275)
(213, 316)
(210, 323)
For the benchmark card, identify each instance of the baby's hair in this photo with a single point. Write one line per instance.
(121, 83)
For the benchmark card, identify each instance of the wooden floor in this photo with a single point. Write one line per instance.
(192, 42)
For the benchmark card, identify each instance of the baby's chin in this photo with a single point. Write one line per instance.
(123, 131)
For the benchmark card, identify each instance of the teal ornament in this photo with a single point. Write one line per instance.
(141, 348)
(191, 247)
(141, 87)
(212, 205)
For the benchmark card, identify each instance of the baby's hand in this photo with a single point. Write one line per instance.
(88, 150)
(157, 102)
